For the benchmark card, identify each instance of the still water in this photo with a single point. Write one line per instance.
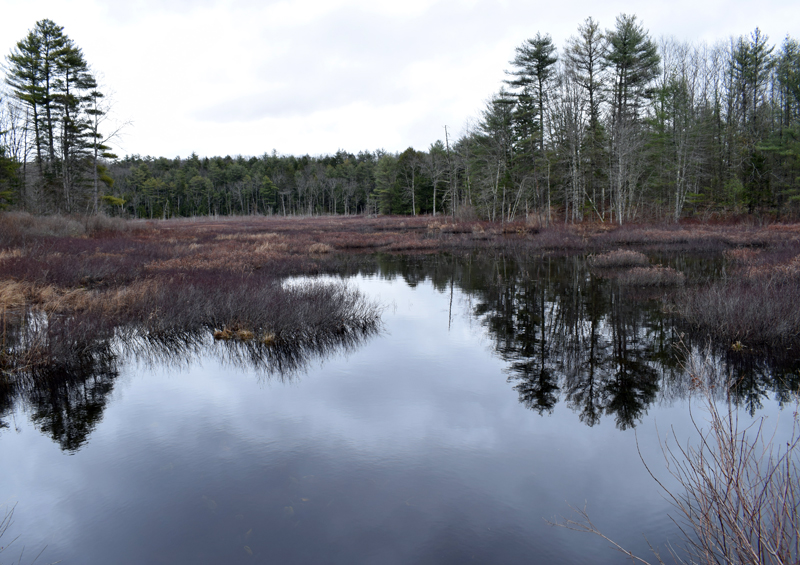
(495, 395)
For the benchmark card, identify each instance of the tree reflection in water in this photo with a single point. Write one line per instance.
(565, 334)
(66, 398)
(601, 347)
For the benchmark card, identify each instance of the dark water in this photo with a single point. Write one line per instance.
(495, 395)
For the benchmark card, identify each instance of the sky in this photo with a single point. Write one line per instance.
(248, 77)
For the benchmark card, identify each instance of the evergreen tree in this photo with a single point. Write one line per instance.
(633, 58)
(533, 71)
(48, 74)
(587, 63)
(9, 180)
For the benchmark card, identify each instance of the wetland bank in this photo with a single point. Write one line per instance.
(369, 389)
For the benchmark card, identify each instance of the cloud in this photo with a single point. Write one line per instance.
(353, 56)
(306, 85)
(214, 75)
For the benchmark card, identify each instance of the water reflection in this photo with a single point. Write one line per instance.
(282, 360)
(566, 335)
(66, 398)
(603, 348)
(424, 446)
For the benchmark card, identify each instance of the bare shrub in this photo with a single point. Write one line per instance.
(619, 258)
(466, 213)
(99, 223)
(23, 224)
(652, 276)
(738, 494)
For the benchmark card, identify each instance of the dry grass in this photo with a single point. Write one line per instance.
(763, 313)
(319, 248)
(213, 273)
(693, 237)
(13, 294)
(652, 276)
(619, 258)
(756, 306)
(164, 277)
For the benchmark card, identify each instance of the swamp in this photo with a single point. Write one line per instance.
(376, 389)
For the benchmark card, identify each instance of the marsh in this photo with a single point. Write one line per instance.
(490, 393)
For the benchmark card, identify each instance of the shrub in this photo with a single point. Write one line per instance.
(14, 225)
(99, 223)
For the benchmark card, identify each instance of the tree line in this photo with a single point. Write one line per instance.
(613, 127)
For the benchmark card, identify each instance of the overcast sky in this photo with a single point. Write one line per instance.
(245, 77)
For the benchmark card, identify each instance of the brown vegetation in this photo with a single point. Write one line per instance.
(64, 291)
(652, 276)
(757, 305)
(619, 258)
(83, 277)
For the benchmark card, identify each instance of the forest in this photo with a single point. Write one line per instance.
(615, 126)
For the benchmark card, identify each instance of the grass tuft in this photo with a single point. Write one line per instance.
(320, 248)
(652, 276)
(619, 258)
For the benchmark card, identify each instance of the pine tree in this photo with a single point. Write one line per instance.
(587, 63)
(48, 74)
(633, 58)
(533, 71)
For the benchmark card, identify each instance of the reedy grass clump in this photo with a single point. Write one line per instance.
(656, 275)
(757, 306)
(619, 258)
(764, 313)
